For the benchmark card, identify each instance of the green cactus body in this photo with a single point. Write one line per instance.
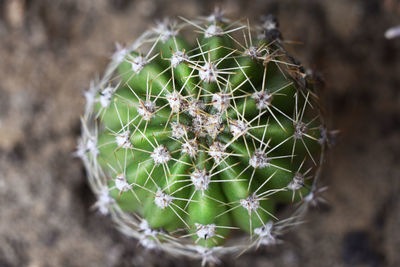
(203, 138)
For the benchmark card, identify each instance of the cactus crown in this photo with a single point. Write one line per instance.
(187, 143)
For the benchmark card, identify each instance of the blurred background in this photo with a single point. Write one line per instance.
(51, 49)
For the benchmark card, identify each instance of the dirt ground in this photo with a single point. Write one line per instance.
(50, 50)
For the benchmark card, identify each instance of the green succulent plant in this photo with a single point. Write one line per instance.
(198, 131)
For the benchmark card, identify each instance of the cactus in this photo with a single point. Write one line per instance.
(187, 144)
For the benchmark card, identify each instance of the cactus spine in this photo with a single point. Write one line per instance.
(186, 143)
